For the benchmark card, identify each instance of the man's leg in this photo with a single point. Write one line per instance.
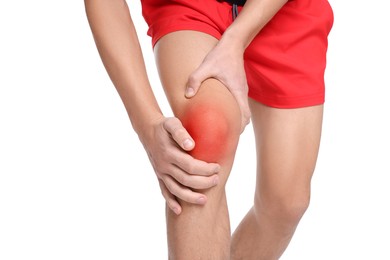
(287, 143)
(212, 118)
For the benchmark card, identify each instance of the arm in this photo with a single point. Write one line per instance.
(253, 17)
(119, 48)
(225, 61)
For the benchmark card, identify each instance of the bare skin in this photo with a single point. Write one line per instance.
(225, 61)
(189, 235)
(287, 140)
(165, 139)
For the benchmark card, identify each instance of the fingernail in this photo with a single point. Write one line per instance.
(217, 169)
(187, 144)
(201, 200)
(190, 92)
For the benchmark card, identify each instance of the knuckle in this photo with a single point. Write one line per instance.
(179, 133)
(166, 122)
(186, 196)
(209, 171)
(169, 185)
(175, 120)
(184, 179)
(191, 169)
(207, 183)
(178, 176)
(170, 122)
(183, 163)
(192, 79)
(181, 194)
(176, 160)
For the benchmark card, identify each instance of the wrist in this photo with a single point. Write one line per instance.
(231, 43)
(145, 130)
(234, 40)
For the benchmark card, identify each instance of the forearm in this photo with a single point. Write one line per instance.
(253, 17)
(118, 45)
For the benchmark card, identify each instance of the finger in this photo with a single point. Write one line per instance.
(190, 165)
(195, 80)
(175, 128)
(193, 181)
(183, 192)
(169, 198)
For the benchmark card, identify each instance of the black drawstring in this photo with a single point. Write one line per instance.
(234, 11)
(235, 4)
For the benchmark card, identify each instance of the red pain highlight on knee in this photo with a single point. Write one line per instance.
(209, 128)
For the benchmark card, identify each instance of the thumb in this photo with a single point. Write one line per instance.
(177, 131)
(196, 79)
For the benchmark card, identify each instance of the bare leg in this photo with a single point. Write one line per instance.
(212, 117)
(287, 143)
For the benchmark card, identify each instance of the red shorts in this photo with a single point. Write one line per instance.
(284, 64)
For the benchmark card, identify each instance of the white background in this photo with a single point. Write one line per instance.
(75, 182)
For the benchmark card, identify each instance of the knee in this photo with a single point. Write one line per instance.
(286, 209)
(214, 129)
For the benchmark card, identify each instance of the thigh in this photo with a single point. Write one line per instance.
(178, 54)
(287, 143)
